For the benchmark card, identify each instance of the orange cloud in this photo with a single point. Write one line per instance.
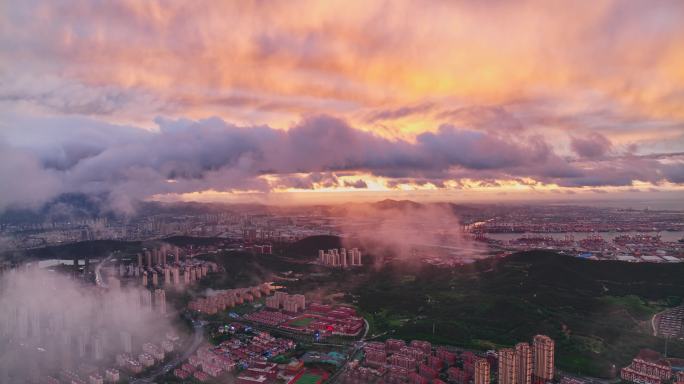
(535, 71)
(336, 56)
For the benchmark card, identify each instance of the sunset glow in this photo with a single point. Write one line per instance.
(274, 100)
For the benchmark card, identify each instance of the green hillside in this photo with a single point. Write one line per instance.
(309, 246)
(598, 312)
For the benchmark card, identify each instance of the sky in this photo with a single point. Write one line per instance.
(295, 101)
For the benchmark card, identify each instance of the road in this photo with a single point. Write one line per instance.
(357, 348)
(197, 339)
(365, 333)
(98, 274)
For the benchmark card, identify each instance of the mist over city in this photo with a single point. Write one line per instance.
(49, 320)
(342, 192)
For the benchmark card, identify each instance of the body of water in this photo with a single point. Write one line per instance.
(54, 262)
(608, 236)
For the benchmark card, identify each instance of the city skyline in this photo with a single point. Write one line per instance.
(342, 192)
(294, 103)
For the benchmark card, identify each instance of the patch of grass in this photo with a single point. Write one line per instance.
(308, 378)
(633, 304)
(301, 322)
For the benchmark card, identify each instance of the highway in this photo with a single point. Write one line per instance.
(98, 274)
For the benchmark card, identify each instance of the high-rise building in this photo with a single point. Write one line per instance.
(300, 300)
(148, 258)
(507, 367)
(140, 260)
(482, 372)
(280, 296)
(144, 279)
(126, 341)
(81, 342)
(341, 257)
(65, 339)
(647, 372)
(36, 330)
(272, 302)
(146, 300)
(291, 305)
(155, 279)
(98, 348)
(523, 361)
(160, 300)
(176, 275)
(22, 322)
(336, 257)
(167, 276)
(543, 358)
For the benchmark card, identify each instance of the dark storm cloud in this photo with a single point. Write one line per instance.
(358, 184)
(674, 171)
(594, 145)
(127, 164)
(451, 146)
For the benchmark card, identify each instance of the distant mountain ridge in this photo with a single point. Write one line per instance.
(397, 204)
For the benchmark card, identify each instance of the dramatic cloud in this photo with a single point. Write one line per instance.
(406, 230)
(115, 98)
(25, 181)
(389, 59)
(185, 156)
